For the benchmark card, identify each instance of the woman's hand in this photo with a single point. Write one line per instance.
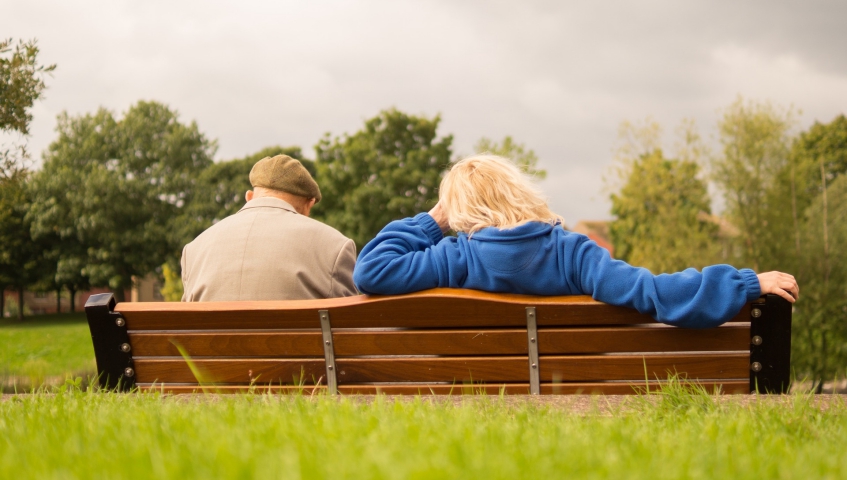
(781, 284)
(437, 214)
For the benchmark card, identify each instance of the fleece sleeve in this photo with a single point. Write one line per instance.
(400, 259)
(688, 299)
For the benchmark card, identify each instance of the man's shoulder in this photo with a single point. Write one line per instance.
(326, 231)
(240, 223)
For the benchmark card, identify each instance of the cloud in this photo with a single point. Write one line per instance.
(559, 76)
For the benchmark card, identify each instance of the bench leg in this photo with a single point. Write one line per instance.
(112, 350)
(770, 345)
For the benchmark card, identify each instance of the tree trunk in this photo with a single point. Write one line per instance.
(794, 213)
(72, 291)
(120, 295)
(20, 303)
(2, 302)
(59, 300)
(826, 272)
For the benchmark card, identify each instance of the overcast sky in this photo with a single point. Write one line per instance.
(557, 76)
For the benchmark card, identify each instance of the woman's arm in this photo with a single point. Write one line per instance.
(686, 299)
(400, 258)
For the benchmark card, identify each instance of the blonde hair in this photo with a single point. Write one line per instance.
(490, 191)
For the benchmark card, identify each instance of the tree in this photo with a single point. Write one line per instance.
(755, 140)
(661, 205)
(22, 260)
(814, 181)
(820, 332)
(517, 152)
(388, 170)
(662, 216)
(117, 186)
(21, 84)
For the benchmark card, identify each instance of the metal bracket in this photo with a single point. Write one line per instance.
(532, 341)
(110, 337)
(770, 345)
(329, 352)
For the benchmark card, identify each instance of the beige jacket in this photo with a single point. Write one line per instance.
(268, 251)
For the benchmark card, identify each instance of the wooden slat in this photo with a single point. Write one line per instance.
(431, 342)
(350, 370)
(149, 318)
(347, 343)
(633, 339)
(441, 342)
(442, 369)
(447, 369)
(632, 367)
(455, 308)
(726, 387)
(231, 389)
(631, 388)
(239, 371)
(236, 344)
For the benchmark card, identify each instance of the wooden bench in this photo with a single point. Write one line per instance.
(439, 341)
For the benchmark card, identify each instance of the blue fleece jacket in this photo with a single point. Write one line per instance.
(541, 259)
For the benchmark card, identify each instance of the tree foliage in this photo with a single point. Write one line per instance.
(22, 259)
(116, 186)
(388, 170)
(517, 152)
(755, 140)
(820, 339)
(662, 205)
(815, 245)
(662, 214)
(21, 84)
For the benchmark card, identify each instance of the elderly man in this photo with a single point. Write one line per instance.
(270, 249)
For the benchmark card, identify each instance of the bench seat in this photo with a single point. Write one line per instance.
(441, 341)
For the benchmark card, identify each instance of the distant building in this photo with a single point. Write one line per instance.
(147, 289)
(597, 230)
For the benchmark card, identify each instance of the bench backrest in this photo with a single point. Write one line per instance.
(437, 341)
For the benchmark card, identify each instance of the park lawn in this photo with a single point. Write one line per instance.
(76, 434)
(45, 348)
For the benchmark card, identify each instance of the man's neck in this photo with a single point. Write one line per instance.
(299, 203)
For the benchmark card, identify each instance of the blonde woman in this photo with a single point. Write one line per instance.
(509, 241)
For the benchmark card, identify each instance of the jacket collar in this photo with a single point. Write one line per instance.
(268, 202)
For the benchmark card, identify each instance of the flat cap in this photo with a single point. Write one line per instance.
(285, 174)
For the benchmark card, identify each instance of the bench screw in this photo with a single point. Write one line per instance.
(532, 339)
(329, 367)
(756, 367)
(756, 313)
(327, 342)
(534, 365)
(757, 340)
(120, 322)
(129, 372)
(125, 348)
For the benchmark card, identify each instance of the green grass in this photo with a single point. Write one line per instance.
(76, 434)
(44, 348)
